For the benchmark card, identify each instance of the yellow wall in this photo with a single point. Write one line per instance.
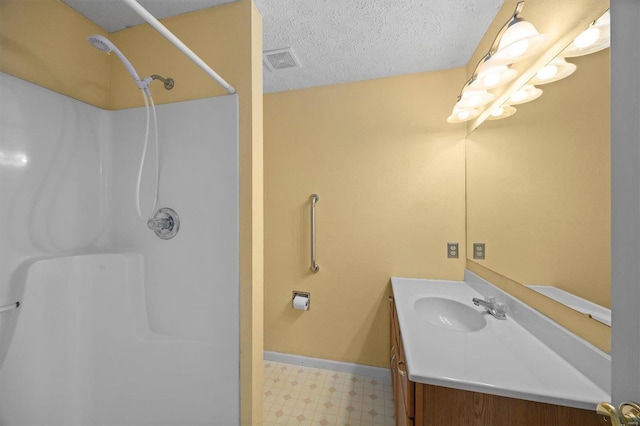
(221, 36)
(44, 41)
(252, 241)
(389, 172)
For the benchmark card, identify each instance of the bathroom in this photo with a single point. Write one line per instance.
(389, 171)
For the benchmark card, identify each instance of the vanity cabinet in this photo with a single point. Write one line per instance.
(418, 404)
(403, 388)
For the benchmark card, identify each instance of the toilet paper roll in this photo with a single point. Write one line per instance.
(301, 302)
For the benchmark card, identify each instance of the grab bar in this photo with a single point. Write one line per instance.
(314, 266)
(10, 307)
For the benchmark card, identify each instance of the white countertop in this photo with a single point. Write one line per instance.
(502, 358)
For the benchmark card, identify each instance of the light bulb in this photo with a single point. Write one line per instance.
(502, 112)
(474, 98)
(491, 76)
(555, 70)
(521, 40)
(519, 96)
(526, 94)
(463, 115)
(492, 79)
(547, 72)
(587, 38)
(593, 39)
(518, 48)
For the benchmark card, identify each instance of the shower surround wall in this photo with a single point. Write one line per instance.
(116, 325)
(53, 188)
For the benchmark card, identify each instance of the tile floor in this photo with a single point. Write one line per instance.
(295, 395)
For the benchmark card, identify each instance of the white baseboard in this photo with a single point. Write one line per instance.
(343, 367)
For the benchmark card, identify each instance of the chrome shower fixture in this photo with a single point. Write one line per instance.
(168, 82)
(165, 223)
(105, 45)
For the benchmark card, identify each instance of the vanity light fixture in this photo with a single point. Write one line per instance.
(555, 70)
(591, 40)
(462, 115)
(502, 112)
(527, 93)
(474, 98)
(516, 40)
(491, 75)
(520, 41)
(467, 107)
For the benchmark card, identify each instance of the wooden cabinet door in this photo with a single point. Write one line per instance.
(439, 406)
(402, 419)
(403, 388)
(393, 360)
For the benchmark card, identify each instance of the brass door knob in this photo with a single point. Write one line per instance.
(627, 415)
(631, 412)
(608, 414)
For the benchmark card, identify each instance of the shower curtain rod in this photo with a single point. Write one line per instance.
(164, 31)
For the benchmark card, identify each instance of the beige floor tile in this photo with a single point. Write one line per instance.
(295, 395)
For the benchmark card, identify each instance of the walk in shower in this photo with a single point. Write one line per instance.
(116, 326)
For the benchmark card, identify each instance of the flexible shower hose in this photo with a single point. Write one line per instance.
(148, 102)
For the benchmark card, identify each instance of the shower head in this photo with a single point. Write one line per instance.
(104, 44)
(101, 43)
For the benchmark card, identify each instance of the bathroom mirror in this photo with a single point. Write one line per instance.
(538, 186)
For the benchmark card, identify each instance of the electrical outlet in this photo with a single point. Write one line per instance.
(478, 251)
(453, 250)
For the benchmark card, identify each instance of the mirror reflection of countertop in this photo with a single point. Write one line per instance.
(597, 312)
(501, 358)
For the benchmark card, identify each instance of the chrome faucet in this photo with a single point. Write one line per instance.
(495, 308)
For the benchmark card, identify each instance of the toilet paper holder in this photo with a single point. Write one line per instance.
(303, 294)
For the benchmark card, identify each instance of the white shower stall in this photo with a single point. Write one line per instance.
(116, 326)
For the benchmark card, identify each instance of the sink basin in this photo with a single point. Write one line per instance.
(449, 314)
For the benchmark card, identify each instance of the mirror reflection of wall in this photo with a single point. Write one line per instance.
(538, 186)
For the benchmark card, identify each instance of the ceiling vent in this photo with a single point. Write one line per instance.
(280, 59)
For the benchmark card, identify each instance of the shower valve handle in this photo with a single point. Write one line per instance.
(162, 223)
(165, 223)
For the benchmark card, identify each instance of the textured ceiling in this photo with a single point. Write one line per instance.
(351, 40)
(338, 41)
